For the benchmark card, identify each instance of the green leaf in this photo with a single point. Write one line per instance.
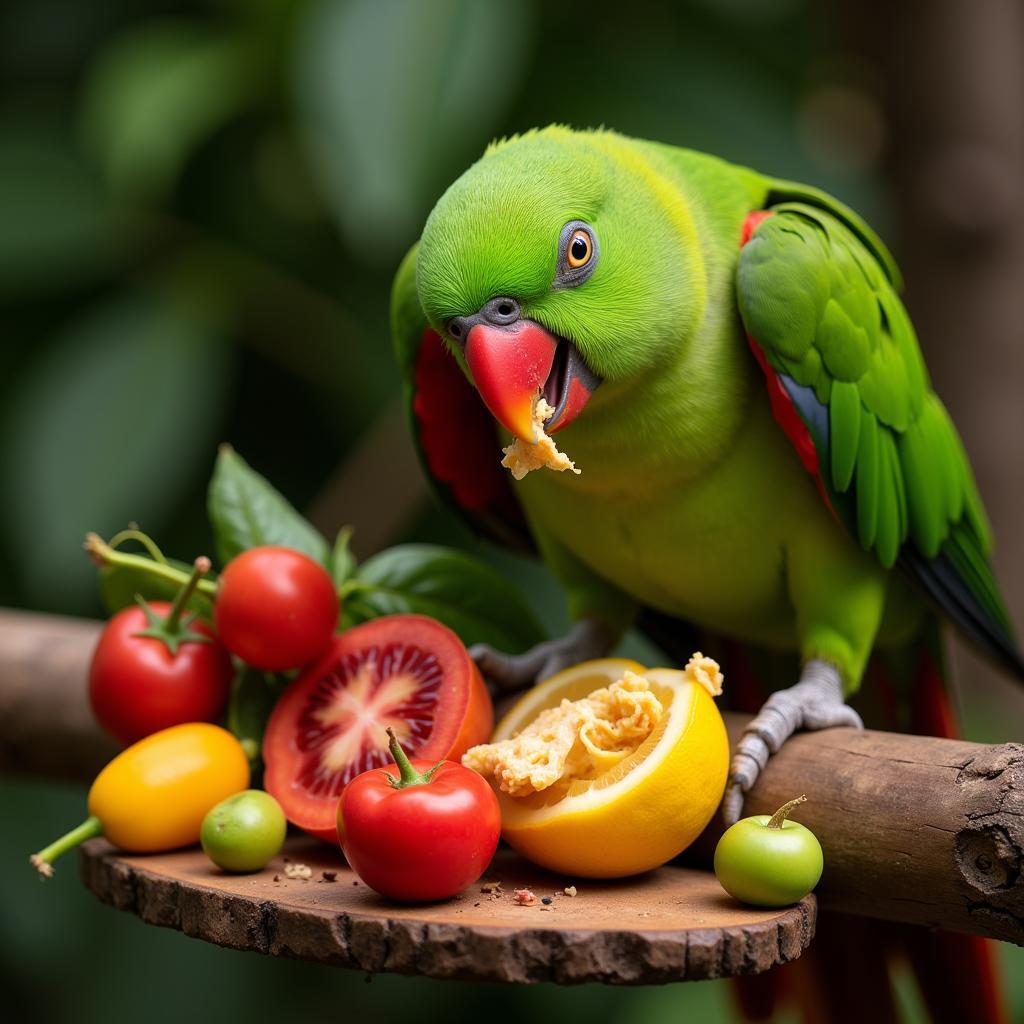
(343, 562)
(253, 695)
(155, 94)
(455, 588)
(113, 422)
(396, 98)
(119, 586)
(247, 511)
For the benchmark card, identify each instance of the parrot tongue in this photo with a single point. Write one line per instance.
(514, 365)
(569, 385)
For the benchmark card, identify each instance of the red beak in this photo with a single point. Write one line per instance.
(512, 365)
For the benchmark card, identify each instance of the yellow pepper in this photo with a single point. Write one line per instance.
(154, 795)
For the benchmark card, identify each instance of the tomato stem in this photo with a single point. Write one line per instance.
(43, 860)
(408, 775)
(200, 567)
(105, 556)
(172, 630)
(783, 812)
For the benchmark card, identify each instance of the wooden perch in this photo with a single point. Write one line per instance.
(915, 829)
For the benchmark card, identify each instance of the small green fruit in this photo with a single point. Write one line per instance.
(769, 861)
(243, 832)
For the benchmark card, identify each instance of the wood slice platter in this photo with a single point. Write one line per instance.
(672, 924)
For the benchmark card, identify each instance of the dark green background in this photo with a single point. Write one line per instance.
(201, 207)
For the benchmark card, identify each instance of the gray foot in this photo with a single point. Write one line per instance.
(816, 702)
(507, 673)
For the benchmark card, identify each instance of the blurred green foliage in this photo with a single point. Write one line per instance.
(202, 203)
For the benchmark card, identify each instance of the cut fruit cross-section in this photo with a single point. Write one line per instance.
(406, 672)
(644, 809)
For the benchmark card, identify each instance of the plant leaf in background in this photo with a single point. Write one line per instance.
(395, 98)
(57, 225)
(158, 92)
(467, 595)
(247, 511)
(119, 416)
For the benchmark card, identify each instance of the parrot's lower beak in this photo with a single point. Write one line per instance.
(514, 365)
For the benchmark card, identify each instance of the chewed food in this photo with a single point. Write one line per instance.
(522, 457)
(579, 739)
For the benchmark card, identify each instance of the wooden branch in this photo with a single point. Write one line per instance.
(915, 829)
(673, 924)
(46, 725)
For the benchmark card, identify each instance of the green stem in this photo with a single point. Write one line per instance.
(353, 586)
(144, 539)
(43, 860)
(104, 555)
(781, 814)
(408, 775)
(200, 568)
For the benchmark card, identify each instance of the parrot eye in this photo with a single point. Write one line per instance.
(579, 249)
(577, 254)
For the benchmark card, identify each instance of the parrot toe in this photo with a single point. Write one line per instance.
(507, 673)
(815, 702)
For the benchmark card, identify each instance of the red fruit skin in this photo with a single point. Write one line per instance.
(276, 608)
(137, 687)
(465, 719)
(424, 842)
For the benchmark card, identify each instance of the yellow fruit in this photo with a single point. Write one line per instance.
(643, 811)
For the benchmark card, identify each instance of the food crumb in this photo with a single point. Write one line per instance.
(524, 897)
(355, 883)
(300, 871)
(328, 876)
(546, 900)
(522, 457)
(547, 908)
(570, 890)
(490, 887)
(277, 878)
(477, 904)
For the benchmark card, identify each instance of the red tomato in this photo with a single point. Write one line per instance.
(424, 840)
(276, 608)
(137, 687)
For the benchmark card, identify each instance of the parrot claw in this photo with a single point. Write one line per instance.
(507, 673)
(816, 702)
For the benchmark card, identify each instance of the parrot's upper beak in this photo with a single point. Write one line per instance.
(514, 364)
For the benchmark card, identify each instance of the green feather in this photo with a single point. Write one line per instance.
(867, 480)
(928, 525)
(887, 543)
(844, 432)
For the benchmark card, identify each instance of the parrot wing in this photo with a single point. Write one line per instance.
(817, 293)
(455, 436)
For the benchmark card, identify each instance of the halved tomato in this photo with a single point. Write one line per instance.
(409, 672)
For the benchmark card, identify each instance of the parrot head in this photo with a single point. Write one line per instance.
(559, 260)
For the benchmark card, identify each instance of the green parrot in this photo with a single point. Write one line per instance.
(734, 376)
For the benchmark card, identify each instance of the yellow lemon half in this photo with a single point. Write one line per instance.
(643, 811)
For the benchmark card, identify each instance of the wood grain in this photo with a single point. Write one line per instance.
(672, 924)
